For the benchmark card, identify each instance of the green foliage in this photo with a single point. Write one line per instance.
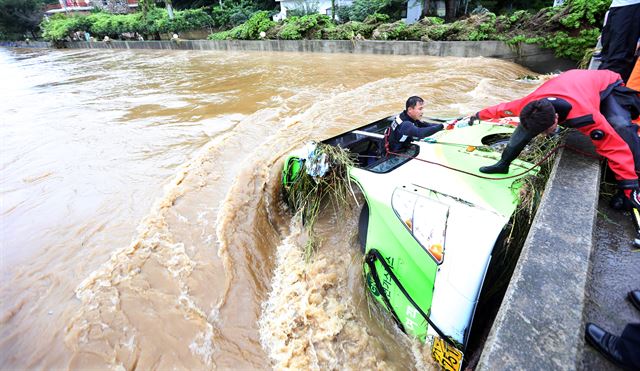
(391, 31)
(433, 20)
(146, 5)
(439, 32)
(591, 11)
(486, 29)
(348, 31)
(343, 12)
(102, 24)
(376, 18)
(519, 17)
(19, 16)
(259, 22)
(572, 47)
(303, 8)
(250, 30)
(361, 9)
(60, 26)
(233, 15)
(192, 19)
(223, 35)
(570, 30)
(524, 39)
(309, 26)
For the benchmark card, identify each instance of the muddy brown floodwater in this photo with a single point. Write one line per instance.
(142, 225)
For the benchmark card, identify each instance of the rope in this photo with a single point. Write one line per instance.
(545, 158)
(370, 259)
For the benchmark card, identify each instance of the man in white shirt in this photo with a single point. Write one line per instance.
(619, 37)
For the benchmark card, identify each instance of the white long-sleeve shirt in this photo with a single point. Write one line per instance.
(619, 3)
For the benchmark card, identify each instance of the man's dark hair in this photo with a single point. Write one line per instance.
(412, 101)
(537, 116)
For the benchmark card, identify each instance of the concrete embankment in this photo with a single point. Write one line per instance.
(540, 324)
(26, 44)
(531, 56)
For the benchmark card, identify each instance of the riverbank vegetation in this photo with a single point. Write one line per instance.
(571, 30)
(148, 25)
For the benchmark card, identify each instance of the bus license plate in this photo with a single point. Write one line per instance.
(447, 356)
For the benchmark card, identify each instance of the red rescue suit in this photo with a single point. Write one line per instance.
(583, 89)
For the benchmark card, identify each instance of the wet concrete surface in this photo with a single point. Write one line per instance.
(615, 270)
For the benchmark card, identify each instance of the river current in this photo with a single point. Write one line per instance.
(141, 219)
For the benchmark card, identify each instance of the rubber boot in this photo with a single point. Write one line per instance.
(620, 202)
(519, 139)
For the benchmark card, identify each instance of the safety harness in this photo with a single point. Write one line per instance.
(396, 122)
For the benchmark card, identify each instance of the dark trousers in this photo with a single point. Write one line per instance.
(619, 38)
(629, 344)
(620, 119)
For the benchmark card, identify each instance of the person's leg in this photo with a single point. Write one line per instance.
(634, 82)
(629, 344)
(619, 38)
(620, 119)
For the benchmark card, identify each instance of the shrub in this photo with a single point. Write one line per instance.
(391, 31)
(343, 13)
(223, 35)
(250, 30)
(192, 19)
(348, 31)
(591, 11)
(376, 18)
(309, 26)
(362, 8)
(104, 24)
(572, 47)
(303, 8)
(259, 22)
(60, 26)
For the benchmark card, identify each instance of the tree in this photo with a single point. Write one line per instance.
(450, 10)
(146, 6)
(18, 17)
(426, 4)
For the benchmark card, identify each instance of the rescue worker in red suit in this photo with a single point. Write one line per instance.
(597, 104)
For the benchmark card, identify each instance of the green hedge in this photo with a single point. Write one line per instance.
(102, 24)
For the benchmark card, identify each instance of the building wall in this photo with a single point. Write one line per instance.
(414, 11)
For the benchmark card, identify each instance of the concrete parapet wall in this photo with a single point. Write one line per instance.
(531, 56)
(540, 323)
(24, 44)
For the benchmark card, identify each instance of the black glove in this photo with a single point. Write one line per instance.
(473, 118)
(519, 139)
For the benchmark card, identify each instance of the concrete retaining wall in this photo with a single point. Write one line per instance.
(540, 323)
(531, 56)
(24, 44)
